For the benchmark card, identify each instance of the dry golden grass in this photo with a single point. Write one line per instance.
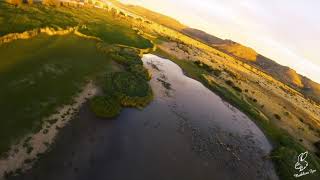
(294, 78)
(14, 2)
(298, 116)
(51, 2)
(239, 50)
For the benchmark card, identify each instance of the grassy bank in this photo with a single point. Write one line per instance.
(97, 22)
(286, 149)
(40, 74)
(128, 88)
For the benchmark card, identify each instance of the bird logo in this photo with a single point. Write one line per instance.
(302, 164)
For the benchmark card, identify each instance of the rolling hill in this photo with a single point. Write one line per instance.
(248, 55)
(151, 15)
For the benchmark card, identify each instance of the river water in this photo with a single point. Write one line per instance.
(186, 133)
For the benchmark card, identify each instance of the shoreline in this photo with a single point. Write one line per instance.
(23, 154)
(91, 147)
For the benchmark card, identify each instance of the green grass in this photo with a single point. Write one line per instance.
(40, 74)
(286, 149)
(113, 34)
(99, 22)
(128, 87)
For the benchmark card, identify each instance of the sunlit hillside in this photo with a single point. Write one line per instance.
(151, 15)
(237, 50)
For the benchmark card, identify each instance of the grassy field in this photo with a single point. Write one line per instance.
(40, 74)
(286, 149)
(98, 22)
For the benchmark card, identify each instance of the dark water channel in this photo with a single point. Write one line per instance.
(186, 133)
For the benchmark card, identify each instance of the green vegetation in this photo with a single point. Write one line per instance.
(40, 74)
(105, 106)
(140, 71)
(128, 88)
(113, 34)
(132, 91)
(231, 83)
(286, 149)
(208, 68)
(97, 22)
(126, 57)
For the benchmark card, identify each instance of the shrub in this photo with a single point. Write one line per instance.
(140, 71)
(105, 106)
(277, 116)
(230, 83)
(126, 60)
(217, 72)
(301, 120)
(130, 89)
(237, 88)
(207, 67)
(232, 74)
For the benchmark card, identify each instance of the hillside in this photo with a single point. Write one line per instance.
(248, 55)
(202, 36)
(237, 50)
(288, 76)
(151, 15)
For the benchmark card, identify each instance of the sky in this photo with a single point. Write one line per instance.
(287, 31)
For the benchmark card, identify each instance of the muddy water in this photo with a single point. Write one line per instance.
(187, 132)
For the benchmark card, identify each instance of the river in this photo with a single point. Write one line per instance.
(186, 133)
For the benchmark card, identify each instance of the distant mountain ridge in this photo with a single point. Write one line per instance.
(248, 55)
(202, 36)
